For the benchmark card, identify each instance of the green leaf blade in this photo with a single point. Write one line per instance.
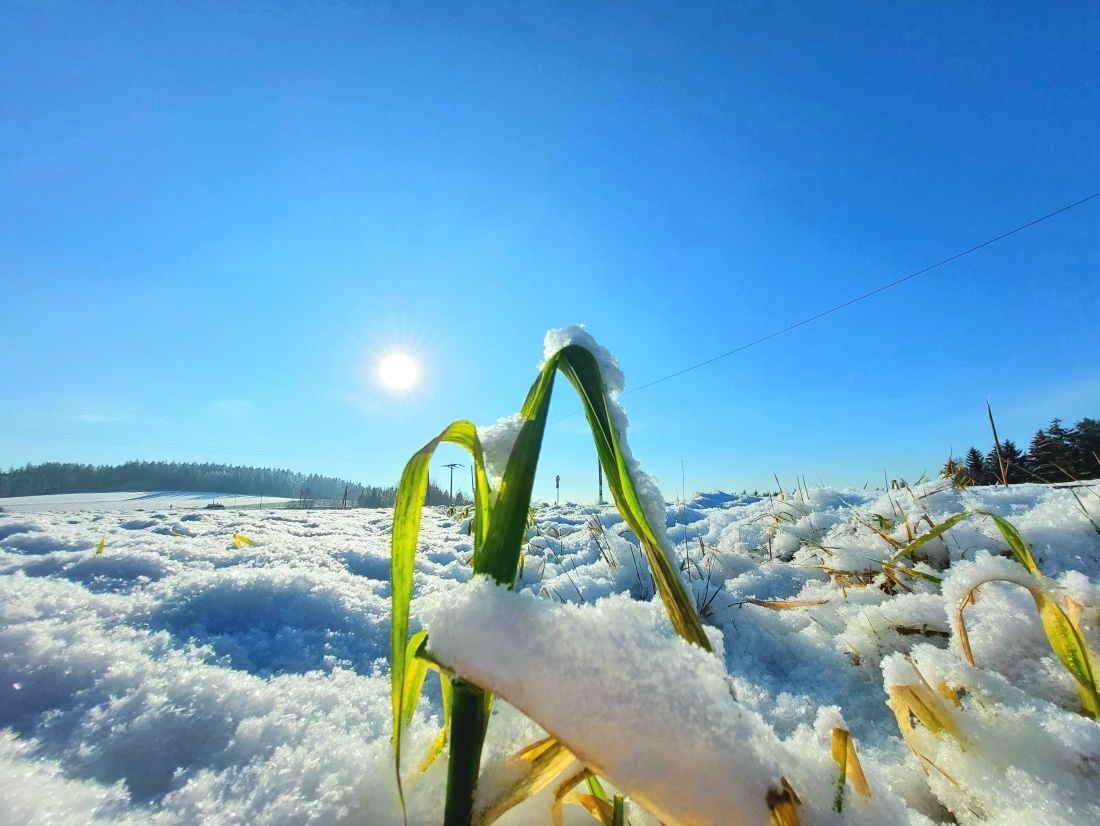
(406, 530)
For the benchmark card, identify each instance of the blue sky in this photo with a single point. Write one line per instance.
(216, 218)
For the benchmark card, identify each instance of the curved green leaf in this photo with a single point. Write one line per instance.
(1015, 542)
(1064, 638)
(497, 546)
(583, 372)
(406, 529)
(939, 530)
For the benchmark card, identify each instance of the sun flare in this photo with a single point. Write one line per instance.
(398, 371)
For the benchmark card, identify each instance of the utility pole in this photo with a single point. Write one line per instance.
(557, 488)
(598, 465)
(452, 466)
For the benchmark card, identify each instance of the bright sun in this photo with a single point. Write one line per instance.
(398, 371)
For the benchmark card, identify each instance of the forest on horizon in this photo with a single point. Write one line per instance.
(53, 478)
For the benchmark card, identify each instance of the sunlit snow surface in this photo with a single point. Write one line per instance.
(177, 678)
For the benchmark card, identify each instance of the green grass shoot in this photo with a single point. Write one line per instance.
(500, 520)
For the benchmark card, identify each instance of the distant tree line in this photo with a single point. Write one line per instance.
(1056, 454)
(311, 490)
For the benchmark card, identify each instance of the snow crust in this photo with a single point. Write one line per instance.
(176, 678)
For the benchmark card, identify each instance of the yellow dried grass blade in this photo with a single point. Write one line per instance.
(840, 755)
(885, 536)
(844, 753)
(782, 605)
(821, 548)
(1074, 609)
(948, 693)
(101, 545)
(918, 701)
(563, 789)
(783, 804)
(544, 760)
(241, 539)
(855, 771)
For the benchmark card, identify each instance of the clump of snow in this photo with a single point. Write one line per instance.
(613, 378)
(497, 441)
(556, 671)
(45, 795)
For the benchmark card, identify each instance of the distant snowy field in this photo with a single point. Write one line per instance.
(179, 678)
(134, 501)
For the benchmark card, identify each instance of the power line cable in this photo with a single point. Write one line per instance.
(883, 288)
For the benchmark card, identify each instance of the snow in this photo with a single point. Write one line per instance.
(176, 678)
(497, 441)
(472, 629)
(135, 500)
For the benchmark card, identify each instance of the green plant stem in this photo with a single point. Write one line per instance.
(469, 719)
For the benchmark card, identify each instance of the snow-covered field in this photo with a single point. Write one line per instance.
(178, 678)
(135, 501)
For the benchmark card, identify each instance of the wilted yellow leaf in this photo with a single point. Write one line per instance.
(545, 760)
(779, 604)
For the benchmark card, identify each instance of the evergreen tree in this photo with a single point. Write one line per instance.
(1008, 467)
(1051, 454)
(975, 467)
(991, 468)
(61, 478)
(1084, 442)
